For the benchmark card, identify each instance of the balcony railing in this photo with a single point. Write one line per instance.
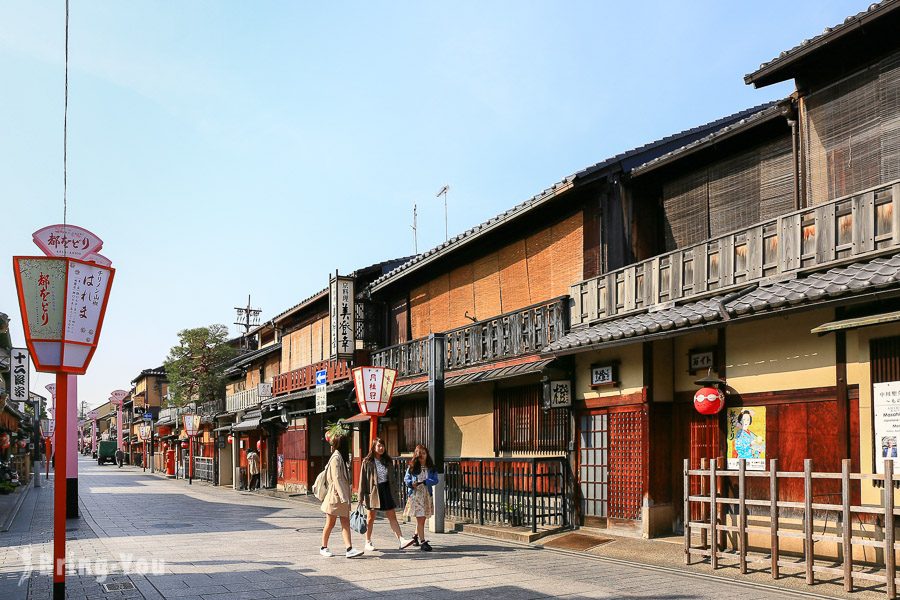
(168, 414)
(304, 378)
(810, 238)
(506, 336)
(242, 400)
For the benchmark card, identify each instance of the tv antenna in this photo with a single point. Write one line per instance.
(443, 192)
(415, 232)
(247, 316)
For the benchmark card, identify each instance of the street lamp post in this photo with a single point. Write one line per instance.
(62, 300)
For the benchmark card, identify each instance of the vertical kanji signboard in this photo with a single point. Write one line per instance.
(342, 317)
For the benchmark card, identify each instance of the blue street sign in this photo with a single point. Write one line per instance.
(322, 377)
(148, 416)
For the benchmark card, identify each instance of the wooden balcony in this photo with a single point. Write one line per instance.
(506, 336)
(845, 229)
(304, 378)
(242, 400)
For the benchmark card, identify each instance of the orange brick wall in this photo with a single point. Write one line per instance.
(528, 271)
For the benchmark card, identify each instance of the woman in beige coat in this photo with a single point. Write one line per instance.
(336, 504)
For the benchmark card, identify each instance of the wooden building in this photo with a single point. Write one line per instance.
(768, 257)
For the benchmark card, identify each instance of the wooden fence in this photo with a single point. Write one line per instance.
(710, 512)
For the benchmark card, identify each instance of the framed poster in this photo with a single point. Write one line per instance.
(747, 437)
(886, 423)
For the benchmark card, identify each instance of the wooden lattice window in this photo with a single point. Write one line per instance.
(626, 464)
(412, 424)
(522, 425)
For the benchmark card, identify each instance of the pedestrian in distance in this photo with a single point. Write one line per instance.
(379, 491)
(420, 477)
(253, 469)
(336, 504)
(120, 457)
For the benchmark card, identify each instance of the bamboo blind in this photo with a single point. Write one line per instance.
(853, 132)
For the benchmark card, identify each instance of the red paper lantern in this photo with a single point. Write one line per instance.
(230, 439)
(184, 445)
(259, 446)
(709, 400)
(4, 441)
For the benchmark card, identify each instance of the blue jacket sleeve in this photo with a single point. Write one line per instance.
(408, 478)
(432, 478)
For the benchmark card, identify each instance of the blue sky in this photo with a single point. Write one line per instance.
(227, 148)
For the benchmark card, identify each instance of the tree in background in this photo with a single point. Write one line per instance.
(195, 367)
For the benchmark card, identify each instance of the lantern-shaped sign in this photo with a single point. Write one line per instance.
(191, 424)
(709, 400)
(374, 388)
(62, 301)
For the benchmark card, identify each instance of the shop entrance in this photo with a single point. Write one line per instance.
(611, 465)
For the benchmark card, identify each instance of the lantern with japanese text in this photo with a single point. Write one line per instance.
(374, 389)
(709, 400)
(184, 445)
(63, 301)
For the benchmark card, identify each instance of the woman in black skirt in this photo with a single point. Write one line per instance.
(378, 490)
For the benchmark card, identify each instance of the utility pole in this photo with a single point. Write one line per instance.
(247, 316)
(443, 192)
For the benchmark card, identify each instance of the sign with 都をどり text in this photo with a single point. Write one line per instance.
(747, 437)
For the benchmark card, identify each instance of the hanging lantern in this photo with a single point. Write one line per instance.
(184, 445)
(230, 439)
(4, 441)
(259, 446)
(709, 400)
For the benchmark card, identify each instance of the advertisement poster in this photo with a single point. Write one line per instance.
(886, 409)
(747, 437)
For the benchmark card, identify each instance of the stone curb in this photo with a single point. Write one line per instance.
(15, 510)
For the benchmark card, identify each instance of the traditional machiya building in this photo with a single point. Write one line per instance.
(494, 297)
(291, 423)
(239, 427)
(765, 255)
(148, 391)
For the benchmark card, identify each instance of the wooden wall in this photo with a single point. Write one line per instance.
(530, 270)
(305, 346)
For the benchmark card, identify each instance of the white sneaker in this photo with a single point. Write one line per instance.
(405, 543)
(326, 552)
(353, 553)
(370, 547)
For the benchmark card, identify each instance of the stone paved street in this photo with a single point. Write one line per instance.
(197, 541)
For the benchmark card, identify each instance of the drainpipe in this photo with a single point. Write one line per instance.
(721, 302)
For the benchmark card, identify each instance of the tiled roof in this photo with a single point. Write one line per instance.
(476, 377)
(625, 161)
(834, 284)
(877, 274)
(766, 113)
(156, 372)
(874, 10)
(385, 265)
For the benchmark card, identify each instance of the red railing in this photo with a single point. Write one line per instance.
(304, 378)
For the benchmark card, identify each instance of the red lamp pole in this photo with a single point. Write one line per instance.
(59, 490)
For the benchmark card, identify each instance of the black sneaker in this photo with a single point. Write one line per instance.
(415, 540)
(425, 547)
